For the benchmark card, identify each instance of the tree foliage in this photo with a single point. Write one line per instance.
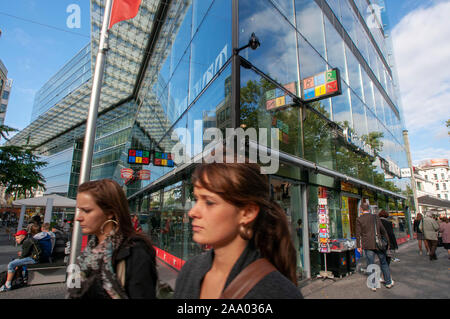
(19, 167)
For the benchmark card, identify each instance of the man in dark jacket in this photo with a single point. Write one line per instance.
(365, 239)
(28, 256)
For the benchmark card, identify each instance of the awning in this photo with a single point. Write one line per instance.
(58, 201)
(433, 202)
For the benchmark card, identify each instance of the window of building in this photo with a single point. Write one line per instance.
(445, 186)
(419, 186)
(437, 186)
(426, 177)
(435, 176)
(5, 95)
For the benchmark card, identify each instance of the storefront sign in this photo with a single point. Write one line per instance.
(277, 98)
(136, 156)
(320, 86)
(405, 172)
(163, 159)
(345, 216)
(144, 174)
(126, 173)
(324, 229)
(349, 188)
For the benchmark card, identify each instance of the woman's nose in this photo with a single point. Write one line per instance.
(193, 213)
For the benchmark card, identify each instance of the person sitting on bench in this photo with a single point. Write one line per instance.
(46, 240)
(28, 256)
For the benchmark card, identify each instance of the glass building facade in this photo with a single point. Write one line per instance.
(69, 78)
(172, 72)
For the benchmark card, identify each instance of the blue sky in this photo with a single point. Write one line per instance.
(33, 52)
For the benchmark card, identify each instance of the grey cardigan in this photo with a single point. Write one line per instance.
(272, 286)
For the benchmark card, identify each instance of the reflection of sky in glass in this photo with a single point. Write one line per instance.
(277, 54)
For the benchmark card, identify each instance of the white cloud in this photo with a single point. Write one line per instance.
(422, 49)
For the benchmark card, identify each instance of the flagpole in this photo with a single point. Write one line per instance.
(89, 139)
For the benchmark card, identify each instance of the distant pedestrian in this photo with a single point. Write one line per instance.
(137, 227)
(365, 239)
(233, 214)
(430, 227)
(444, 229)
(419, 234)
(387, 224)
(117, 263)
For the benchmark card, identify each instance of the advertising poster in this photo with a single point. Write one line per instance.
(345, 215)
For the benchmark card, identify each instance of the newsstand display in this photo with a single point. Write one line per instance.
(341, 257)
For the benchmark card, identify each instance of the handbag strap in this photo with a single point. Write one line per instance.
(247, 279)
(375, 223)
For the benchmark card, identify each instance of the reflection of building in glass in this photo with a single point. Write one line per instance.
(171, 67)
(5, 91)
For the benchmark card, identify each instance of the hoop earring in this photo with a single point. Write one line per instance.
(108, 221)
(246, 232)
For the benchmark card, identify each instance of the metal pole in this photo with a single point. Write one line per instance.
(236, 68)
(21, 218)
(89, 139)
(413, 179)
(48, 210)
(306, 244)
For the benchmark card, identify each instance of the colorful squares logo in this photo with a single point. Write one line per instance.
(291, 87)
(319, 79)
(163, 159)
(270, 95)
(308, 83)
(330, 76)
(138, 156)
(309, 94)
(270, 104)
(332, 87)
(320, 90)
(280, 101)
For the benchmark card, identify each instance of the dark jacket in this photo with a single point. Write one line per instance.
(272, 286)
(416, 226)
(140, 274)
(27, 247)
(365, 231)
(390, 231)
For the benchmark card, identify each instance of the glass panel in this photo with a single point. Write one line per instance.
(258, 96)
(335, 49)
(359, 116)
(341, 108)
(276, 56)
(353, 73)
(310, 23)
(211, 47)
(203, 114)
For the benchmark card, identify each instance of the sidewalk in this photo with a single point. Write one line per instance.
(415, 276)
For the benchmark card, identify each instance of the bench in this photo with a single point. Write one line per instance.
(47, 273)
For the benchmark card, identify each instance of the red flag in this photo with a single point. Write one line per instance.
(123, 10)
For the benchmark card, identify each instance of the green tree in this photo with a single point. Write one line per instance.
(19, 167)
(448, 125)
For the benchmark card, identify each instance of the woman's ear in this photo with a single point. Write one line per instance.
(249, 213)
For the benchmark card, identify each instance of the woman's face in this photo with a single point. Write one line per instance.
(90, 216)
(214, 221)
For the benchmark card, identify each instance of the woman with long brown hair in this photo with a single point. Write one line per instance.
(118, 263)
(234, 215)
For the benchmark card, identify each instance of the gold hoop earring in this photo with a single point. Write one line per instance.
(246, 232)
(109, 221)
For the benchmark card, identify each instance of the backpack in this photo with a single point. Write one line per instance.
(45, 244)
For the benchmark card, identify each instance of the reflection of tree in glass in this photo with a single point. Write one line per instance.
(255, 115)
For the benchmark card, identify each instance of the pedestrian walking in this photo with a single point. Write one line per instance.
(117, 263)
(248, 234)
(387, 224)
(369, 226)
(444, 229)
(429, 228)
(419, 235)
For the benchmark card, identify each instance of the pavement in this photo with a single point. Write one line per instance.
(415, 276)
